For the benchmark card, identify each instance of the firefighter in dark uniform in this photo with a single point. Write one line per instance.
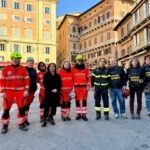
(100, 84)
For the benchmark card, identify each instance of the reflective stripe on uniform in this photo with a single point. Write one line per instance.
(66, 78)
(102, 84)
(79, 74)
(97, 108)
(135, 78)
(148, 74)
(106, 109)
(66, 88)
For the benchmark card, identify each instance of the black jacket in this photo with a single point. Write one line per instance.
(146, 71)
(134, 74)
(52, 82)
(100, 78)
(118, 77)
(32, 75)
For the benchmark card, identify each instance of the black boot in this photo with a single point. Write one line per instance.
(106, 117)
(78, 117)
(4, 129)
(98, 115)
(23, 127)
(84, 117)
(51, 120)
(44, 123)
(27, 122)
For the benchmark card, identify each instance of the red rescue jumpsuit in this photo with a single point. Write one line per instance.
(67, 86)
(14, 82)
(40, 76)
(82, 81)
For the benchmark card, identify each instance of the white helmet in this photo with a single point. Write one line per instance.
(72, 95)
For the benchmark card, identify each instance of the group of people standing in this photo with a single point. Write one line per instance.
(57, 88)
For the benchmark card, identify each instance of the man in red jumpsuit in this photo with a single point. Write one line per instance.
(14, 87)
(67, 86)
(82, 82)
(40, 76)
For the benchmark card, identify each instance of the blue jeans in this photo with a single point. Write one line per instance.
(117, 94)
(147, 98)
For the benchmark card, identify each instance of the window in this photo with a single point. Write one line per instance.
(3, 30)
(74, 29)
(85, 44)
(136, 17)
(47, 35)
(15, 18)
(16, 5)
(28, 19)
(16, 32)
(28, 34)
(95, 21)
(80, 46)
(2, 47)
(99, 19)
(47, 50)
(148, 34)
(108, 35)
(29, 49)
(102, 38)
(1, 58)
(46, 10)
(16, 47)
(3, 16)
(46, 21)
(103, 17)
(128, 27)
(3, 3)
(90, 24)
(108, 15)
(28, 7)
(123, 52)
(147, 8)
(122, 32)
(129, 49)
(136, 40)
(74, 46)
(95, 40)
(89, 42)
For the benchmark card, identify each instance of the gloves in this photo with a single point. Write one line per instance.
(2, 94)
(25, 94)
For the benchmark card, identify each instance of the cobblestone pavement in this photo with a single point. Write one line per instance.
(115, 134)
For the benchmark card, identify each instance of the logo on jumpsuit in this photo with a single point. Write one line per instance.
(41, 75)
(9, 72)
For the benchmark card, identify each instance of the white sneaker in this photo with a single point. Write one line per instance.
(124, 116)
(116, 116)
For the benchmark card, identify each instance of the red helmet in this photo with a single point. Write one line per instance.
(125, 93)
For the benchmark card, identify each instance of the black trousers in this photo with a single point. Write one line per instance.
(139, 100)
(65, 104)
(102, 94)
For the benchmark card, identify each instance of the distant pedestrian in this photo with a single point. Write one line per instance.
(52, 84)
(135, 77)
(146, 70)
(32, 87)
(40, 77)
(67, 86)
(118, 82)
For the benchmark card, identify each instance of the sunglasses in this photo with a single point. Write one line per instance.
(80, 60)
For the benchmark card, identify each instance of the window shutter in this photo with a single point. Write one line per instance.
(138, 39)
(134, 40)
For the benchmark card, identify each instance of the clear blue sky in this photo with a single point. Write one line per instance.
(68, 6)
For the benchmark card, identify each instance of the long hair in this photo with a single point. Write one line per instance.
(64, 63)
(41, 62)
(50, 65)
(138, 62)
